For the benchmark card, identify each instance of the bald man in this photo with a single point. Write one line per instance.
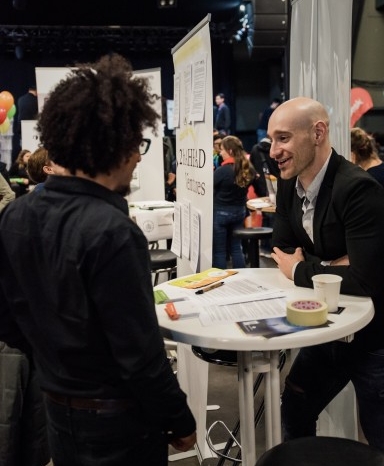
(329, 219)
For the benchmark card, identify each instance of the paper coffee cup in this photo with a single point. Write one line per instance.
(327, 288)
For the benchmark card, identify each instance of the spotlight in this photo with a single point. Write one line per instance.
(167, 3)
(242, 33)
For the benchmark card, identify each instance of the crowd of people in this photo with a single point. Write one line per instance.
(77, 301)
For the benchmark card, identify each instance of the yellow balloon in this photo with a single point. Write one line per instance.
(4, 127)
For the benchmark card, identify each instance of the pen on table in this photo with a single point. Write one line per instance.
(209, 288)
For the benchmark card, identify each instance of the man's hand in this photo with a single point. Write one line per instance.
(184, 443)
(285, 261)
(341, 261)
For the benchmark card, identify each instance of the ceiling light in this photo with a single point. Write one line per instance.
(166, 3)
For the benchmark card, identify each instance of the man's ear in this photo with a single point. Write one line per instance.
(48, 170)
(320, 131)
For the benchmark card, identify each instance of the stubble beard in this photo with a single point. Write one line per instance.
(123, 190)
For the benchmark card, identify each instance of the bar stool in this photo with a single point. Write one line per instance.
(162, 261)
(251, 237)
(320, 451)
(229, 358)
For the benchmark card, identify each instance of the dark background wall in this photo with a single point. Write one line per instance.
(250, 77)
(77, 31)
(249, 85)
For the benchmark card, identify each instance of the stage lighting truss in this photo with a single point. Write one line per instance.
(245, 30)
(69, 40)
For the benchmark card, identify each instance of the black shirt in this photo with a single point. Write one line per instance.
(75, 279)
(226, 192)
(223, 118)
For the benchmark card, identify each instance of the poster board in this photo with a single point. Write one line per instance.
(148, 181)
(148, 178)
(193, 122)
(31, 138)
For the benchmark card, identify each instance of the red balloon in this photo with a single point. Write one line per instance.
(6, 100)
(361, 102)
(3, 115)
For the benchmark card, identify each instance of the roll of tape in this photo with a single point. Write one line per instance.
(307, 312)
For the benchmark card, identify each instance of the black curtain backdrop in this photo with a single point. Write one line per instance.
(16, 75)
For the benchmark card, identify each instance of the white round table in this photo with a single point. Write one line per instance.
(358, 313)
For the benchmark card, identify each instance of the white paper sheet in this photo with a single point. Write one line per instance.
(254, 310)
(235, 301)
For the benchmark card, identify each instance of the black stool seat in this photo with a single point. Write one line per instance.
(252, 236)
(322, 451)
(162, 260)
(220, 357)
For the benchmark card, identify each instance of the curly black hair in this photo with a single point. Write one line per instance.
(94, 118)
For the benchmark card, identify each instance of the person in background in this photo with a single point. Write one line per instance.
(18, 173)
(363, 153)
(169, 170)
(23, 435)
(217, 158)
(264, 118)
(267, 168)
(27, 107)
(379, 144)
(23, 439)
(264, 165)
(329, 219)
(40, 166)
(222, 120)
(4, 172)
(230, 187)
(6, 193)
(78, 299)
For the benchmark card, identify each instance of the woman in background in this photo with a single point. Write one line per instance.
(364, 154)
(18, 173)
(231, 182)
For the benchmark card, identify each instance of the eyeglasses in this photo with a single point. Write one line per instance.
(144, 146)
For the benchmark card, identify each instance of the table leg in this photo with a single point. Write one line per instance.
(272, 400)
(253, 252)
(267, 407)
(246, 408)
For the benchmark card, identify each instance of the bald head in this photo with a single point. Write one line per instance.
(299, 130)
(301, 113)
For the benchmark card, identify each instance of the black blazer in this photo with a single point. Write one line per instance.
(348, 219)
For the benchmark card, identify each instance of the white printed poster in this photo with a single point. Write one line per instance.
(193, 101)
(194, 175)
